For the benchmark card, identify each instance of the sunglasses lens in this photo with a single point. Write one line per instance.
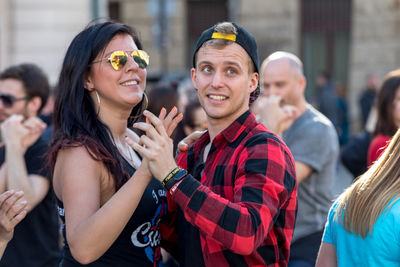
(141, 58)
(6, 100)
(118, 59)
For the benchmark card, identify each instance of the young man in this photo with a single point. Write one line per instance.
(23, 92)
(235, 196)
(313, 141)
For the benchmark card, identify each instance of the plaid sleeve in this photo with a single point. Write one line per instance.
(264, 182)
(167, 226)
(168, 230)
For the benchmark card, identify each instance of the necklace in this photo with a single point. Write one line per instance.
(133, 159)
(130, 154)
(127, 153)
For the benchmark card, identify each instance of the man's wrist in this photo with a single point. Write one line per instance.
(175, 176)
(16, 147)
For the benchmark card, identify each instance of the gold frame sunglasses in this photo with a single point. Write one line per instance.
(118, 59)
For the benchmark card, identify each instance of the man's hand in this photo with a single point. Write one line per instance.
(275, 116)
(12, 211)
(20, 134)
(36, 127)
(188, 140)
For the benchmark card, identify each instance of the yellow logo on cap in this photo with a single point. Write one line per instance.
(226, 36)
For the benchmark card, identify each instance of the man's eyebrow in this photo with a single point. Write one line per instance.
(206, 62)
(232, 63)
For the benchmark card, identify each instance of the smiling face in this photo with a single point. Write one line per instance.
(123, 88)
(223, 82)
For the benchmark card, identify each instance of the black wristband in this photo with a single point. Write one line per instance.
(176, 177)
(170, 175)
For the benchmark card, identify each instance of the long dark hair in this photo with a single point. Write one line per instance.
(75, 118)
(385, 124)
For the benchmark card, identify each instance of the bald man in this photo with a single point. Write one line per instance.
(313, 142)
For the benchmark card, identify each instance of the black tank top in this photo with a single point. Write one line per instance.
(138, 243)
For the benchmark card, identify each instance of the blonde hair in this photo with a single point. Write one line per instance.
(363, 202)
(222, 27)
(226, 27)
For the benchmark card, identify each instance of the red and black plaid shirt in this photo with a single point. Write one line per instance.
(245, 204)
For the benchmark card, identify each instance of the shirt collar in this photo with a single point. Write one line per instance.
(233, 131)
(245, 121)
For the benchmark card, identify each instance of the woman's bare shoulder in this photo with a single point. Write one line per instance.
(76, 165)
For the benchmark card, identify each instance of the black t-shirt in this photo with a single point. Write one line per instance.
(139, 242)
(35, 241)
(190, 252)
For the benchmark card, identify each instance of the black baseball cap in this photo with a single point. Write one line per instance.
(242, 38)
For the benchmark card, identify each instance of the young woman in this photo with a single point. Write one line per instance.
(107, 198)
(388, 110)
(363, 227)
(195, 118)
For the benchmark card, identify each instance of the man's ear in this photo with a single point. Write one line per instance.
(193, 76)
(33, 106)
(253, 82)
(302, 82)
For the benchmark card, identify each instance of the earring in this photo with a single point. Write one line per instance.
(147, 101)
(98, 102)
(142, 109)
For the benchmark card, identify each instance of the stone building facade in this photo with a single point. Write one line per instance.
(40, 31)
(373, 41)
(375, 46)
(366, 37)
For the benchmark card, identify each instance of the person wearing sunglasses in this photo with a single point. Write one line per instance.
(108, 201)
(24, 89)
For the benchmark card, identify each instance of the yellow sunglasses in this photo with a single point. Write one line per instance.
(118, 59)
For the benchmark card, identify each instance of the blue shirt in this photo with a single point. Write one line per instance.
(379, 248)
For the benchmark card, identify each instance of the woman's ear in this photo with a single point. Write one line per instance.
(89, 85)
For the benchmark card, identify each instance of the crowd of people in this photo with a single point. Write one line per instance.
(231, 167)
